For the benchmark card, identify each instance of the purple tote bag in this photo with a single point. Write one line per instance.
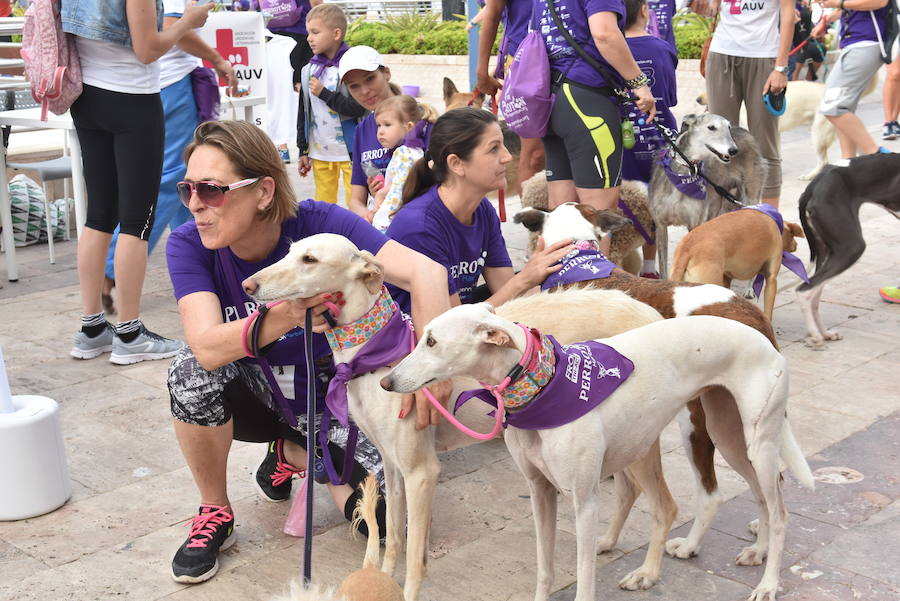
(526, 100)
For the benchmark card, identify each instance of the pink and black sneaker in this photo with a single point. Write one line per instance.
(197, 560)
(274, 474)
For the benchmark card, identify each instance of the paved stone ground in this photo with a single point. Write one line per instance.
(132, 493)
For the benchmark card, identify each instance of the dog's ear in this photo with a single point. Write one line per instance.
(491, 334)
(795, 228)
(606, 222)
(532, 219)
(369, 271)
(449, 89)
(687, 121)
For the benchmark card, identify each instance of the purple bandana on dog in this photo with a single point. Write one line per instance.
(386, 335)
(586, 374)
(789, 260)
(586, 262)
(687, 184)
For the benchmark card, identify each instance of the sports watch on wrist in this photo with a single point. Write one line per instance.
(780, 69)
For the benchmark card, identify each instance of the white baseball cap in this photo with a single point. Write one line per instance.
(359, 58)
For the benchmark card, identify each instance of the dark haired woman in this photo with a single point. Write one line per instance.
(446, 216)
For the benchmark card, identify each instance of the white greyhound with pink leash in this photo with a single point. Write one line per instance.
(330, 263)
(645, 377)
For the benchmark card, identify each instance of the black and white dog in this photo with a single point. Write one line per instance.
(829, 213)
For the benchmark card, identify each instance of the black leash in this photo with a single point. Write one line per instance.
(310, 426)
(623, 93)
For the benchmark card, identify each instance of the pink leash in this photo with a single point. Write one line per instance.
(528, 361)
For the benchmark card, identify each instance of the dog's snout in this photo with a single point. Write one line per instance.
(733, 150)
(387, 383)
(250, 286)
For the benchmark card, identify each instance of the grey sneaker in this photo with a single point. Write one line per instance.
(146, 346)
(86, 347)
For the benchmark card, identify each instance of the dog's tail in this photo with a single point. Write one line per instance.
(793, 456)
(365, 512)
(679, 268)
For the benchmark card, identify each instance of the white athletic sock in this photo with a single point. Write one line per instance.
(649, 266)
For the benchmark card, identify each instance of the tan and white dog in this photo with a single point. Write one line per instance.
(331, 263)
(736, 246)
(742, 381)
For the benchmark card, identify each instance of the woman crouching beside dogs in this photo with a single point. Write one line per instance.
(446, 216)
(246, 217)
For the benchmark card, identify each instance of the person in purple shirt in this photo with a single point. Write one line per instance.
(661, 20)
(515, 16)
(368, 80)
(658, 59)
(862, 52)
(245, 217)
(583, 143)
(446, 216)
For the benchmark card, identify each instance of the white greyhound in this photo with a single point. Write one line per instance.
(674, 360)
(330, 263)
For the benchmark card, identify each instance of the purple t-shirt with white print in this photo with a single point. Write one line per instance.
(858, 26)
(657, 59)
(367, 149)
(195, 268)
(574, 15)
(425, 224)
(664, 10)
(516, 17)
(300, 26)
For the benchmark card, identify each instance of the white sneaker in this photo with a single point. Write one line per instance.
(147, 346)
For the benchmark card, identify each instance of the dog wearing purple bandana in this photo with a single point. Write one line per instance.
(671, 362)
(750, 243)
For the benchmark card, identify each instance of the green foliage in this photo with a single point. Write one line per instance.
(691, 32)
(412, 34)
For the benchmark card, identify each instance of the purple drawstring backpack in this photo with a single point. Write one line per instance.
(526, 100)
(206, 93)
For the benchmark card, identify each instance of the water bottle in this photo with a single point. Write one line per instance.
(627, 134)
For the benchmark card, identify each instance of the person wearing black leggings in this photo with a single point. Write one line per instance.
(119, 120)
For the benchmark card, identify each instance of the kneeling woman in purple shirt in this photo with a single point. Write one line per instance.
(245, 218)
(446, 216)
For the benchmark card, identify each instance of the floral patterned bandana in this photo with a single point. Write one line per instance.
(359, 332)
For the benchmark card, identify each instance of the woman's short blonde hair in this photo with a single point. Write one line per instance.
(252, 154)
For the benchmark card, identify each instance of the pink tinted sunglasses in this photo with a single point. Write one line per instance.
(209, 193)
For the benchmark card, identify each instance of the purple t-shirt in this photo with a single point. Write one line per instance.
(195, 268)
(657, 59)
(574, 15)
(300, 26)
(515, 19)
(664, 11)
(425, 224)
(858, 26)
(367, 149)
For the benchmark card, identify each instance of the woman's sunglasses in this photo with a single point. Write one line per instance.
(210, 194)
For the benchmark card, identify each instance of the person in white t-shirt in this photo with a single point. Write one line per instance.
(181, 115)
(748, 57)
(119, 121)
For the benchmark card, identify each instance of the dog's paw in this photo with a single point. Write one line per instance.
(639, 580)
(751, 556)
(763, 593)
(831, 335)
(679, 547)
(605, 544)
(815, 343)
(753, 526)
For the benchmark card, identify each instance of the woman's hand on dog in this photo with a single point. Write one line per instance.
(544, 261)
(295, 309)
(426, 414)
